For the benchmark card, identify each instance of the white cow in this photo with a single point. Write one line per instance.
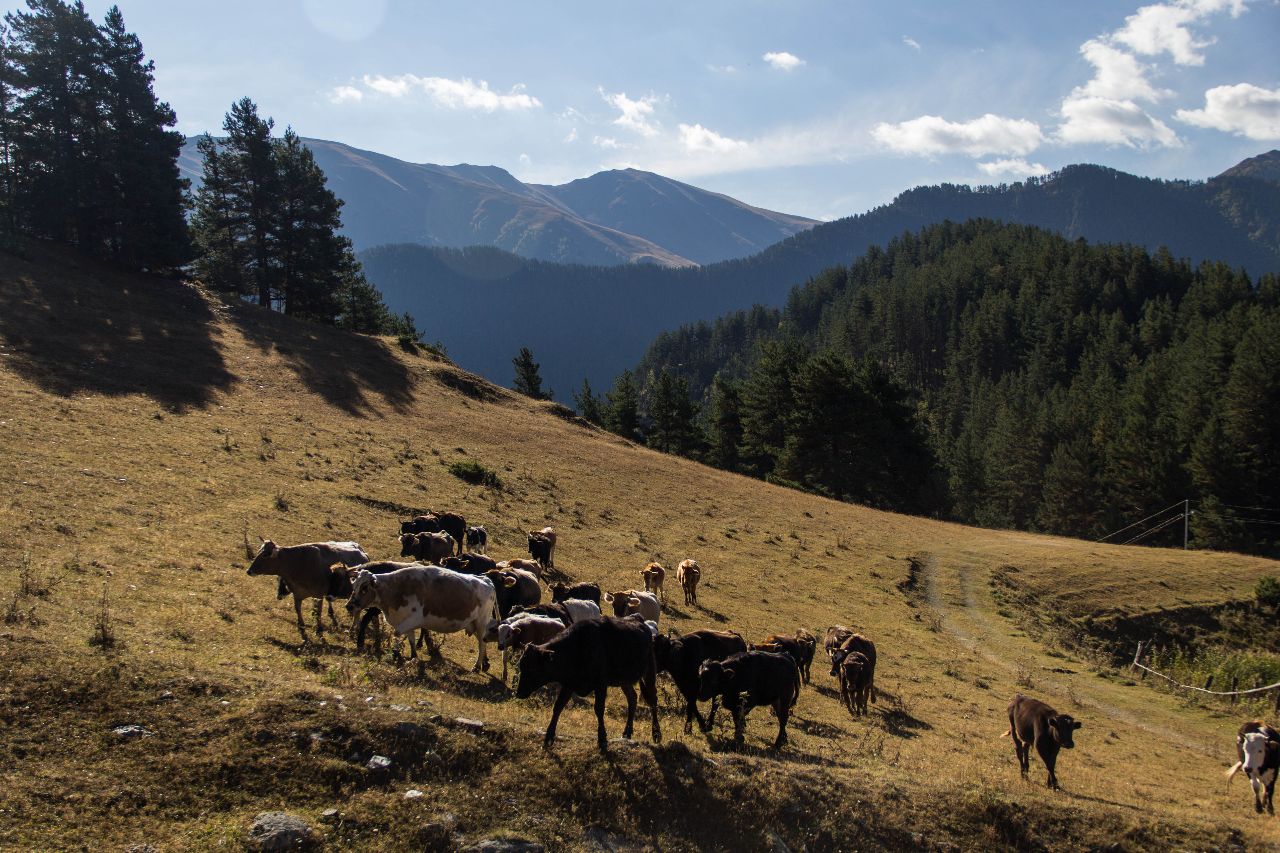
(431, 598)
(1258, 748)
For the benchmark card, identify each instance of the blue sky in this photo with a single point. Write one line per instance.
(818, 108)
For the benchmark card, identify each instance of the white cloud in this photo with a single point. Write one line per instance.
(464, 94)
(1165, 28)
(1116, 75)
(635, 114)
(573, 135)
(990, 134)
(607, 142)
(783, 61)
(1011, 168)
(911, 43)
(1112, 122)
(524, 160)
(696, 139)
(345, 95)
(722, 69)
(1242, 109)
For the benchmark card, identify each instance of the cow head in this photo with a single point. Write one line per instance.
(364, 591)
(666, 649)
(1063, 725)
(712, 677)
(408, 541)
(262, 561)
(339, 581)
(559, 592)
(1253, 750)
(837, 658)
(853, 665)
(620, 601)
(535, 669)
(500, 579)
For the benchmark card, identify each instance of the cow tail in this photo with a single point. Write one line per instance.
(1007, 734)
(1231, 773)
(795, 689)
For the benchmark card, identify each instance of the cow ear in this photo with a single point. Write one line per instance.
(1076, 724)
(508, 581)
(726, 672)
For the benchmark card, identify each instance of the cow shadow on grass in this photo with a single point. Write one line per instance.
(348, 371)
(713, 614)
(71, 325)
(900, 723)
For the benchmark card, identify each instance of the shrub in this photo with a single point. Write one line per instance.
(1267, 592)
(474, 473)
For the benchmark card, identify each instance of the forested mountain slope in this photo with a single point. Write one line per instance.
(1066, 386)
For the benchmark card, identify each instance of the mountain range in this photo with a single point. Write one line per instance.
(615, 217)
(594, 322)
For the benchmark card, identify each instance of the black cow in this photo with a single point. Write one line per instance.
(477, 539)
(542, 547)
(792, 647)
(748, 679)
(683, 656)
(583, 591)
(1032, 722)
(592, 656)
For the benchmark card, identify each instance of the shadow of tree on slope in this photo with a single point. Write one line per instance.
(345, 369)
(70, 325)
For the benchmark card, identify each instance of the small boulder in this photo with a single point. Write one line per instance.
(281, 831)
(412, 794)
(467, 724)
(131, 732)
(504, 845)
(378, 764)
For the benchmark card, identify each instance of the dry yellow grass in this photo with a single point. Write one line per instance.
(148, 431)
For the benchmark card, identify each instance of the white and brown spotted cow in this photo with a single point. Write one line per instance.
(1258, 748)
(431, 598)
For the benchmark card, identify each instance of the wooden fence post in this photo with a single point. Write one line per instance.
(1235, 685)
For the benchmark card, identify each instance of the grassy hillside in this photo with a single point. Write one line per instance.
(151, 433)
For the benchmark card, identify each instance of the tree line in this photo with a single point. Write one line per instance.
(89, 158)
(1002, 376)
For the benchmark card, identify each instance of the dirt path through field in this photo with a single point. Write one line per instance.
(968, 615)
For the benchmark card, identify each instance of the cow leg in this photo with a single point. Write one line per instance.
(297, 608)
(482, 659)
(629, 692)
(601, 740)
(505, 654)
(649, 689)
(1256, 784)
(320, 618)
(1049, 756)
(1020, 749)
(1270, 789)
(738, 709)
(561, 700)
(711, 717)
(782, 708)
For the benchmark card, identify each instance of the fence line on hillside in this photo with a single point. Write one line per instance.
(1233, 693)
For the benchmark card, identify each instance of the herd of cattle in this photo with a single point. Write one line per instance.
(453, 585)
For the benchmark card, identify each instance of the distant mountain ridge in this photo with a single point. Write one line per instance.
(610, 218)
(594, 322)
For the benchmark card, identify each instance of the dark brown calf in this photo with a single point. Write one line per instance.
(857, 643)
(683, 656)
(1033, 723)
(583, 591)
(855, 682)
(752, 678)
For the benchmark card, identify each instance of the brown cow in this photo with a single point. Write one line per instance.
(1032, 722)
(836, 635)
(470, 564)
(520, 563)
(857, 643)
(780, 644)
(653, 575)
(583, 591)
(435, 522)
(688, 573)
(305, 571)
(428, 547)
(542, 546)
(855, 682)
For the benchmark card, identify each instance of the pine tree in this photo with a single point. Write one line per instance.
(222, 252)
(528, 379)
(57, 59)
(623, 415)
(724, 424)
(590, 406)
(671, 416)
(252, 192)
(8, 136)
(822, 445)
(145, 216)
(767, 402)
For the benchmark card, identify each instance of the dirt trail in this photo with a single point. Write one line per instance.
(968, 618)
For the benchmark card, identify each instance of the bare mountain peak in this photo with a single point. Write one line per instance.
(1264, 167)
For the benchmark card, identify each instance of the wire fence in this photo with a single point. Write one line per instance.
(1233, 694)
